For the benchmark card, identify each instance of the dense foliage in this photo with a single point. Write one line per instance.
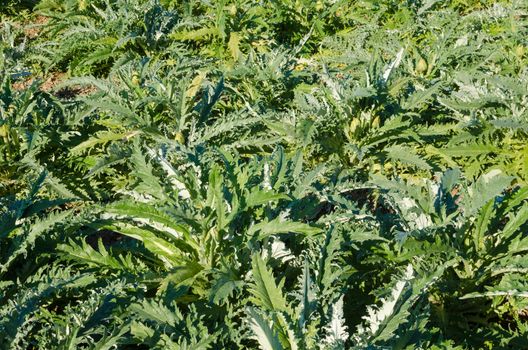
(236, 174)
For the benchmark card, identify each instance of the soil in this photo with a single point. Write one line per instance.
(50, 84)
(68, 92)
(33, 29)
(22, 85)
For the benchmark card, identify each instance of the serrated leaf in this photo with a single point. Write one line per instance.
(263, 333)
(407, 156)
(265, 291)
(276, 226)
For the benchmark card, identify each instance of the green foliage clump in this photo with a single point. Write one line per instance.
(274, 175)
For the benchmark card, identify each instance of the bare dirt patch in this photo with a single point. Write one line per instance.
(22, 85)
(52, 82)
(68, 92)
(33, 28)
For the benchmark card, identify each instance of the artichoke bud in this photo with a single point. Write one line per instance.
(519, 51)
(179, 137)
(376, 122)
(421, 66)
(354, 125)
(135, 79)
(3, 130)
(11, 109)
